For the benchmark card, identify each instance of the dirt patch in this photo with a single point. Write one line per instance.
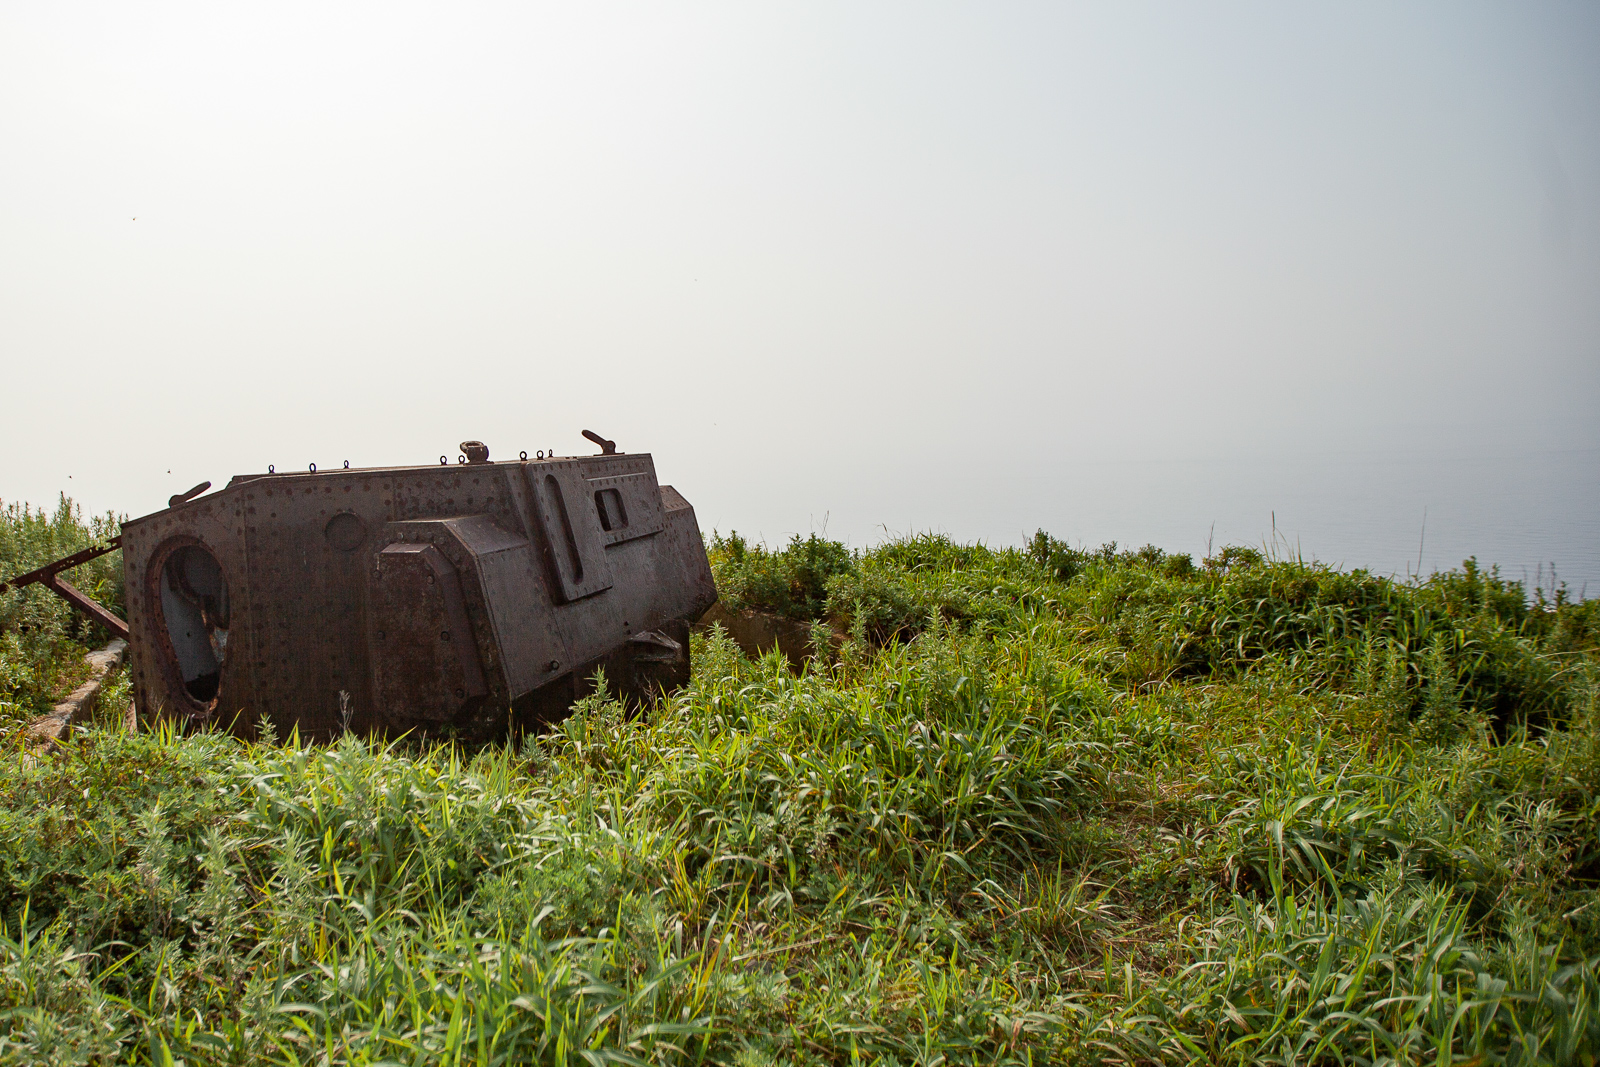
(757, 633)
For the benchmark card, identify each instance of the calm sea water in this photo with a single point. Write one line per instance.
(1393, 514)
(1530, 514)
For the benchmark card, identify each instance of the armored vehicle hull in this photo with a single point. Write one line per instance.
(449, 600)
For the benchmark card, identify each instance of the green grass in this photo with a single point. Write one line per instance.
(42, 640)
(1039, 805)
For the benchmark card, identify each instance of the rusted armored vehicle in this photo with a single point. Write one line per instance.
(458, 599)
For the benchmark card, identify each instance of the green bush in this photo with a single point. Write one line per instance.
(791, 581)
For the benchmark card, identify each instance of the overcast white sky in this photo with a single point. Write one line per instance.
(888, 264)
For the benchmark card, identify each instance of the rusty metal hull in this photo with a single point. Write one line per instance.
(449, 600)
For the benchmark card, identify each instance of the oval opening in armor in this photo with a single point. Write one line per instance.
(194, 604)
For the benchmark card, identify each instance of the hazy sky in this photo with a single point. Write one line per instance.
(874, 265)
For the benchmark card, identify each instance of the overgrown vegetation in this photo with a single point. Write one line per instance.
(1035, 805)
(42, 640)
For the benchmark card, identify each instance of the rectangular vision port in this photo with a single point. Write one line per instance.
(613, 516)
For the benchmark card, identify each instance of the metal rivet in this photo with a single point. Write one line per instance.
(444, 635)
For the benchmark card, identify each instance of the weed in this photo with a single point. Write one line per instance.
(1042, 805)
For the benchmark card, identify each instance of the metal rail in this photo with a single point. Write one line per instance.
(49, 576)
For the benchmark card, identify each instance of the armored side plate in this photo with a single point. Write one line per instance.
(444, 600)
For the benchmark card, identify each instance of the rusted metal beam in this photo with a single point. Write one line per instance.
(49, 577)
(65, 563)
(72, 595)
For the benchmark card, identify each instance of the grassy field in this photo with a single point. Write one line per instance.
(1033, 805)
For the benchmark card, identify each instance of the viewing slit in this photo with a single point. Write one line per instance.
(553, 487)
(613, 515)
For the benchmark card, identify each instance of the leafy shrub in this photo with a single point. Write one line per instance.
(791, 581)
